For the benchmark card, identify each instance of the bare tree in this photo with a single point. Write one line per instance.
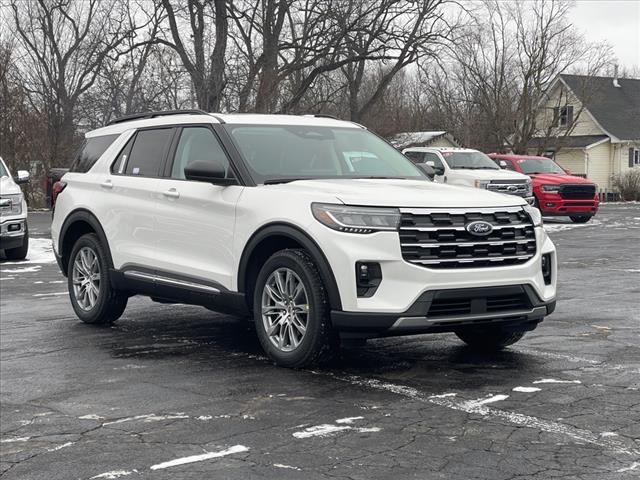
(207, 23)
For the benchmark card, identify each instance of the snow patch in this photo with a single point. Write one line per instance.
(60, 447)
(22, 270)
(526, 389)
(40, 251)
(484, 401)
(630, 468)
(553, 380)
(15, 439)
(368, 429)
(152, 417)
(280, 465)
(349, 419)
(50, 294)
(320, 431)
(91, 416)
(200, 458)
(115, 474)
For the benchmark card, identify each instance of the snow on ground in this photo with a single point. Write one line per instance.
(40, 251)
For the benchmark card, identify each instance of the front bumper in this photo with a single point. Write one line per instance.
(452, 310)
(554, 204)
(12, 232)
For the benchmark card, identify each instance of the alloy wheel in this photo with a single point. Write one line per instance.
(285, 309)
(86, 278)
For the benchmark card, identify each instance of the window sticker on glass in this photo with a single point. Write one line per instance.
(136, 171)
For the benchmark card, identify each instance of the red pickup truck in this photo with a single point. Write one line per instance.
(557, 192)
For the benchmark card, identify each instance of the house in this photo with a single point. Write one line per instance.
(590, 126)
(423, 139)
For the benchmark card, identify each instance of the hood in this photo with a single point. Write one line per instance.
(395, 193)
(8, 186)
(558, 179)
(488, 174)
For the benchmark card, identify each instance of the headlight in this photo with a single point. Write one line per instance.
(349, 219)
(481, 183)
(551, 188)
(11, 204)
(534, 213)
(529, 188)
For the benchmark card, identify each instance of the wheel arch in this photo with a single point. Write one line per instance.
(278, 236)
(78, 223)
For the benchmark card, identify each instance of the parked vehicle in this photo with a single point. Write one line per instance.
(14, 232)
(315, 227)
(557, 192)
(470, 168)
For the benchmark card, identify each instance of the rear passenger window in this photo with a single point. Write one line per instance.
(148, 151)
(91, 150)
(415, 157)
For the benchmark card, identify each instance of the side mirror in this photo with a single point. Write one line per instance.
(431, 163)
(203, 171)
(503, 164)
(22, 177)
(427, 169)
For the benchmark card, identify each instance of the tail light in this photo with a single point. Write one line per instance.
(56, 190)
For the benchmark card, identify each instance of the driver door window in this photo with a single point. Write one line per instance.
(437, 163)
(198, 144)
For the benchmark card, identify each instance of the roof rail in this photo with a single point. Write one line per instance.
(139, 116)
(324, 115)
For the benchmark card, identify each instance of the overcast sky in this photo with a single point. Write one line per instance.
(616, 21)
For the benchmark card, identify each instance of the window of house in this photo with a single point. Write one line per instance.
(634, 157)
(563, 116)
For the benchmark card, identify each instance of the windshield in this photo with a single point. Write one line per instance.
(3, 170)
(530, 166)
(275, 153)
(469, 161)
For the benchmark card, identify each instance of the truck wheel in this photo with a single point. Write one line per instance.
(19, 253)
(580, 218)
(92, 297)
(489, 338)
(291, 312)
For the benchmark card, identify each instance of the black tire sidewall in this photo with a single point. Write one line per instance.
(315, 318)
(97, 313)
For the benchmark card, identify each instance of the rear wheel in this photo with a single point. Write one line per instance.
(489, 338)
(92, 297)
(19, 253)
(291, 312)
(580, 218)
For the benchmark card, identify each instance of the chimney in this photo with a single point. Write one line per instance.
(615, 76)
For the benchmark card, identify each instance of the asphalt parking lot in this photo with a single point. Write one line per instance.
(173, 391)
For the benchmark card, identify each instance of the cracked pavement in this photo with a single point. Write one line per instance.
(179, 392)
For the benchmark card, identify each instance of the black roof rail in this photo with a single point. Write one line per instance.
(139, 116)
(324, 115)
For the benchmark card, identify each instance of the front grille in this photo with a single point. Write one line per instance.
(578, 192)
(510, 187)
(479, 304)
(435, 238)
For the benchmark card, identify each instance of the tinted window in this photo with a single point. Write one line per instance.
(198, 144)
(437, 163)
(147, 153)
(415, 157)
(91, 150)
(277, 152)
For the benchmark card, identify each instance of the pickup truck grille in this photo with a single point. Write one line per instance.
(511, 187)
(578, 192)
(438, 238)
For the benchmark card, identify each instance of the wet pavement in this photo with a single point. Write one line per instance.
(174, 391)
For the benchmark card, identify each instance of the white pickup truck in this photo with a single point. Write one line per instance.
(14, 235)
(471, 168)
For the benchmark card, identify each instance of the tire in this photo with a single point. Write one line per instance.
(19, 253)
(286, 343)
(488, 339)
(580, 218)
(100, 304)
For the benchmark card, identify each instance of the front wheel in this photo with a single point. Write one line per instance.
(92, 297)
(19, 253)
(291, 312)
(580, 218)
(488, 338)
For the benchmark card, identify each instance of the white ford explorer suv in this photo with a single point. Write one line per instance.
(316, 228)
(471, 168)
(14, 234)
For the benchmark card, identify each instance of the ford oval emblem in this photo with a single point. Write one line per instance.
(479, 228)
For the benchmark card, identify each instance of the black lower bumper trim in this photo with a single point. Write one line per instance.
(417, 318)
(9, 242)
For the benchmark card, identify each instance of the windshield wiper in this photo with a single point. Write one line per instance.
(274, 181)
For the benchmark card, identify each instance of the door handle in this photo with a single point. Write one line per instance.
(107, 184)
(171, 193)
